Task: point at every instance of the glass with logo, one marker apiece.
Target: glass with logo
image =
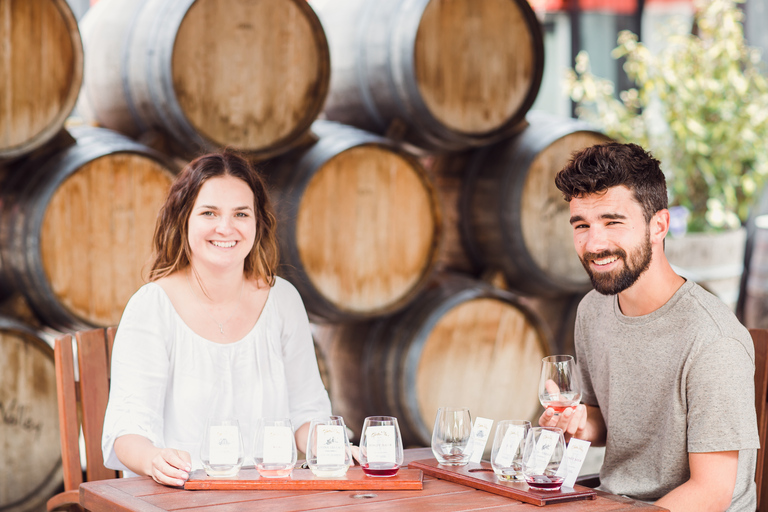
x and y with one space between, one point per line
221 450
328 450
274 447
381 447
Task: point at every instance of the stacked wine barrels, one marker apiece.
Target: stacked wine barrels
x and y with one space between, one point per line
414 189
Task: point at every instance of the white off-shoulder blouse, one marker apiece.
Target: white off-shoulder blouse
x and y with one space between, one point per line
167 380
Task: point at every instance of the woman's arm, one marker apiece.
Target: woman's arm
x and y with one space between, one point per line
165 465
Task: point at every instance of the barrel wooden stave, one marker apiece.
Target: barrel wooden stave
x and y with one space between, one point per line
77 227
30 468
461 343
514 217
395 71
182 69
359 223
41 70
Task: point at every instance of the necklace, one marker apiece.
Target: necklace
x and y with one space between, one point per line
222 324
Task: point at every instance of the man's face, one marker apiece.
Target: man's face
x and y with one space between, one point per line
611 238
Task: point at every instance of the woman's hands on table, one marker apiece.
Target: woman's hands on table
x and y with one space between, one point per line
166 466
171 467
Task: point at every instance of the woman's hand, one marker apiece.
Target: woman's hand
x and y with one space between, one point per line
171 467
166 466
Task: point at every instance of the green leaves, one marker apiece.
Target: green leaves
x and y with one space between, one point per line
701 107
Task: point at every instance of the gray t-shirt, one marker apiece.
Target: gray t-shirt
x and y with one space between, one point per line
678 380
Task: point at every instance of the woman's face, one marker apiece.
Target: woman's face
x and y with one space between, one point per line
222 225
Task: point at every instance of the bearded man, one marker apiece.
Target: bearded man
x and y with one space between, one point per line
667 371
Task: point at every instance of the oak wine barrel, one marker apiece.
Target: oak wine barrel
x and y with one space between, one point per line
443 74
41 70
460 343
248 75
514 219
77 224
358 223
30 466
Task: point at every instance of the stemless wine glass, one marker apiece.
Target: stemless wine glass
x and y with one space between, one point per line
559 383
221 451
543 456
381 447
274 447
328 451
452 436
507 451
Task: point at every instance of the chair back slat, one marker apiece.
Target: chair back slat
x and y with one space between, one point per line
760 340
69 426
111 331
93 360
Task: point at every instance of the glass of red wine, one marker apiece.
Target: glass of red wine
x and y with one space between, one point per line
381 447
559 383
544 461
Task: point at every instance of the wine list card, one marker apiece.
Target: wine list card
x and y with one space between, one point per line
330 445
224 447
481 431
380 444
278 445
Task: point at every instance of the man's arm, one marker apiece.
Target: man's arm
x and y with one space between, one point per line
713 479
582 422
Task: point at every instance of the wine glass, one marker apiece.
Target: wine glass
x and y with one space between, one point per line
274 448
381 447
452 436
328 451
221 450
544 460
507 451
559 383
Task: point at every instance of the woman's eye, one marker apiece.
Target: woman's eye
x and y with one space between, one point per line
241 214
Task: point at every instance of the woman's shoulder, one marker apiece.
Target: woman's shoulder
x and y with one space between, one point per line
284 290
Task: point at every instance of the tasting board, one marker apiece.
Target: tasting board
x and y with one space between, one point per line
303 479
481 476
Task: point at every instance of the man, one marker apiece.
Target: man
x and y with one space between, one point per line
667 371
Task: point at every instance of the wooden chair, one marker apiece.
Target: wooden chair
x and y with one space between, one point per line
82 402
760 339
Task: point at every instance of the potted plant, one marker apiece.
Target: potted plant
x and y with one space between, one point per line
700 105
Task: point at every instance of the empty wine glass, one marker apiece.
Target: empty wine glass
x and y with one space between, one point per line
543 456
221 450
381 447
274 448
328 451
559 383
452 436
507 451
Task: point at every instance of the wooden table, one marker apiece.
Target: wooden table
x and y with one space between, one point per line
144 495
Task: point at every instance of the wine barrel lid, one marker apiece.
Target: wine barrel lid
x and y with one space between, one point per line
477 63
41 69
250 74
30 467
359 224
443 75
515 219
459 343
78 226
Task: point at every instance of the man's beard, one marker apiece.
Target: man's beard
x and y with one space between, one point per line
611 283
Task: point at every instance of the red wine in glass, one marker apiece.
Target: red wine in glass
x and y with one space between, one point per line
544 482
379 471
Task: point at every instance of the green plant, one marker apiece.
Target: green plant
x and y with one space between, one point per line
700 105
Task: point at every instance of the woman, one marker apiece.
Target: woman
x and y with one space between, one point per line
214 333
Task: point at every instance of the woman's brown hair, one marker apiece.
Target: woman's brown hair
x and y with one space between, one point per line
171 241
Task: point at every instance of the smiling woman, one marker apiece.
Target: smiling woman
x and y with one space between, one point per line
214 334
